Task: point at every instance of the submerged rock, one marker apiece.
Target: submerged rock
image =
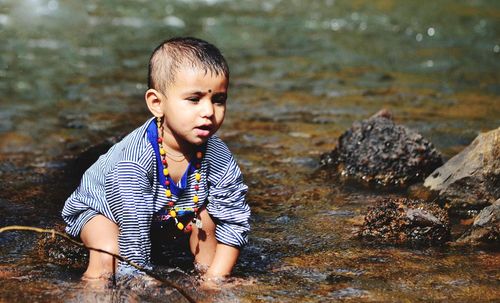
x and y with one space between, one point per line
486 227
406 221
381 154
471 179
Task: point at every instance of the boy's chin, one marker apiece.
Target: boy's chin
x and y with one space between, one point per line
200 140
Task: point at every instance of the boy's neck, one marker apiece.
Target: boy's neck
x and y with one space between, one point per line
178 146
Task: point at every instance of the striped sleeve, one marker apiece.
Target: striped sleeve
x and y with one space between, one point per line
129 196
227 204
86 201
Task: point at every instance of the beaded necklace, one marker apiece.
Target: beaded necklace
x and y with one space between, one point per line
171 208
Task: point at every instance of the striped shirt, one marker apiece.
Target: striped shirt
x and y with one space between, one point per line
125 186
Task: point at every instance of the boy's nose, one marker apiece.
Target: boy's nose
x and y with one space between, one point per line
207 108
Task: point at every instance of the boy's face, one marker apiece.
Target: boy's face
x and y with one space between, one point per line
194 106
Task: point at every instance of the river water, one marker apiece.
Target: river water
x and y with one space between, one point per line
73 74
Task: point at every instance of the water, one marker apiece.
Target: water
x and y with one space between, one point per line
72 74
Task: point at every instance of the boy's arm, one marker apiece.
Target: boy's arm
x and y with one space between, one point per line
224 260
130 199
229 210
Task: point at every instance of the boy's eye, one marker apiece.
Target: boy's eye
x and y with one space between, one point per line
219 98
193 99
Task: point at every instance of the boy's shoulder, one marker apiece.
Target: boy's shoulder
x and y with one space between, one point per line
222 165
134 146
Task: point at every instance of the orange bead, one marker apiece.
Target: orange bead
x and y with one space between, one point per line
199 155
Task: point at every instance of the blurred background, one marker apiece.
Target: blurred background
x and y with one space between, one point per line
73 74
74 71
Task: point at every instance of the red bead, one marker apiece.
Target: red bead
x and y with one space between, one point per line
196 187
188 228
167 182
195 209
160 140
198 165
171 204
164 161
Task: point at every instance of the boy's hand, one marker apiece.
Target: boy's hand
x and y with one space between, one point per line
224 260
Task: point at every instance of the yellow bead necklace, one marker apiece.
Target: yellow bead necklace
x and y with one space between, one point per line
172 210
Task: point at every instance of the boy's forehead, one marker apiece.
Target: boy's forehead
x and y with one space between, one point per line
193 69
187 74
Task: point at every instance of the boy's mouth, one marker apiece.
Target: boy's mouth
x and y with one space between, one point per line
203 130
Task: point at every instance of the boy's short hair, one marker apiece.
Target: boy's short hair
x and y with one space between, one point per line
171 54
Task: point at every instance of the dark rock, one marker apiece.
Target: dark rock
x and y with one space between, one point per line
74 120
381 154
486 227
405 221
76 166
471 179
386 77
91 153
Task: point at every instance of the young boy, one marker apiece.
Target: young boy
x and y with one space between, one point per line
171 176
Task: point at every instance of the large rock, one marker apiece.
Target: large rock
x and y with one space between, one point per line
381 154
471 179
486 227
405 221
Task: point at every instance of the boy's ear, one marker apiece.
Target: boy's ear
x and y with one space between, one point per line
153 101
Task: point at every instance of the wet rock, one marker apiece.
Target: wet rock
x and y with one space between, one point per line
378 153
74 120
386 77
349 293
335 278
406 221
486 227
471 179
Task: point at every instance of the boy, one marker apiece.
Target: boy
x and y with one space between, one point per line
170 176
